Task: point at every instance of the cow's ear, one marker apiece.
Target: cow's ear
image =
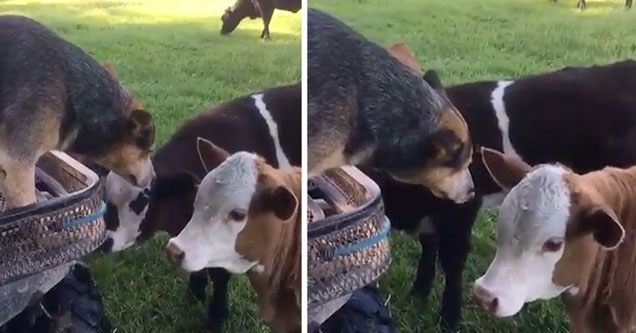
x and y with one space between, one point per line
506 171
278 200
110 70
602 223
210 154
403 54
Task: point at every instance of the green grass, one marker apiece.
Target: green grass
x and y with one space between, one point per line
468 40
171 55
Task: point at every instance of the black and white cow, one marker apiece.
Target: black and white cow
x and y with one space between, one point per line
583 117
253 9
266 123
581 4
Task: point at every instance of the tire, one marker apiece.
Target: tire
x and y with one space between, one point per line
73 306
363 313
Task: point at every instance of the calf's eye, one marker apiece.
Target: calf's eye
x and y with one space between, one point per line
553 245
237 215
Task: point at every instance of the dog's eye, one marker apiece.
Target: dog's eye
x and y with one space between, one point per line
237 215
553 245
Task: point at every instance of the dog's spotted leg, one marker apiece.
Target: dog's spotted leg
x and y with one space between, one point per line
18 183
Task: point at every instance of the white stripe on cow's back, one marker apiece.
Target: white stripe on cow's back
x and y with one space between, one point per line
498 104
283 162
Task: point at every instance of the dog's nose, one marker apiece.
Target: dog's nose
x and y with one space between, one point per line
484 298
107 246
146 178
174 253
470 194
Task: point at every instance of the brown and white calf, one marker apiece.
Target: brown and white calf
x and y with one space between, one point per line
563 233
247 219
266 123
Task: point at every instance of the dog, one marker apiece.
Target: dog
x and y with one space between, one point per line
53 96
369 106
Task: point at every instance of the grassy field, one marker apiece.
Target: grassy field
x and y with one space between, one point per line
467 40
171 55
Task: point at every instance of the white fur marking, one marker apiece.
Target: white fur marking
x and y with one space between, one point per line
573 291
283 162
496 98
70 138
121 193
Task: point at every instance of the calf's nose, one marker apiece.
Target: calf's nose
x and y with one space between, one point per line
484 298
174 254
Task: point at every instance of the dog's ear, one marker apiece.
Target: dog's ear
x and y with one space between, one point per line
278 200
403 54
110 70
141 128
210 154
506 171
432 79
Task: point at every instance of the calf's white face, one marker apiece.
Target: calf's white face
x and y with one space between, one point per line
220 214
531 230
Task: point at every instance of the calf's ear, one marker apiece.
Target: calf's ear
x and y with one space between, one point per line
210 154
604 226
403 54
278 200
506 171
